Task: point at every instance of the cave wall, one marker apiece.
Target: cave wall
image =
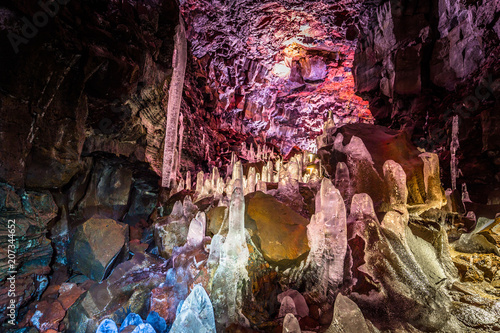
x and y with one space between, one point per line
419 63
71 67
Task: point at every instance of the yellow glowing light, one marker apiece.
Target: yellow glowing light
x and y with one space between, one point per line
281 70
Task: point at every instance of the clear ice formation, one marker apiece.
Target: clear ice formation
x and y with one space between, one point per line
231 276
327 236
107 326
362 207
196 314
343 181
299 301
291 324
434 195
179 62
196 232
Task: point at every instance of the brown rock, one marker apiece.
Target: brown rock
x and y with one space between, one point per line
97 246
215 217
279 232
48 315
68 294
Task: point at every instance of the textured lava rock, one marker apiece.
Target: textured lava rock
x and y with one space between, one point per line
30 212
421 64
278 67
97 246
95 57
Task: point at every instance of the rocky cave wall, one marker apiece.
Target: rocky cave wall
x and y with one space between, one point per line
419 63
278 68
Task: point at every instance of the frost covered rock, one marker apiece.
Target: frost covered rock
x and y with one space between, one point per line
196 315
279 231
171 232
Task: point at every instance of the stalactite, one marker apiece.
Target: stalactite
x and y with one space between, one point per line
453 149
179 150
174 103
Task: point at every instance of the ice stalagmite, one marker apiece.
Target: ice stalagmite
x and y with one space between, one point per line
343 181
196 231
264 173
270 172
291 324
362 207
395 181
180 186
250 186
434 193
231 278
215 177
200 179
261 186
188 180
397 217
327 237
219 188
196 314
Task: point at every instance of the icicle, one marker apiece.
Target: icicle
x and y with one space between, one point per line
180 187
455 144
188 180
264 173
465 193
200 180
251 182
174 102
181 137
343 181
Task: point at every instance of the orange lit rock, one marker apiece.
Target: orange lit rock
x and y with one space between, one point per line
279 232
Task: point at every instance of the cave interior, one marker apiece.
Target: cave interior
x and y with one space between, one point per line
203 166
